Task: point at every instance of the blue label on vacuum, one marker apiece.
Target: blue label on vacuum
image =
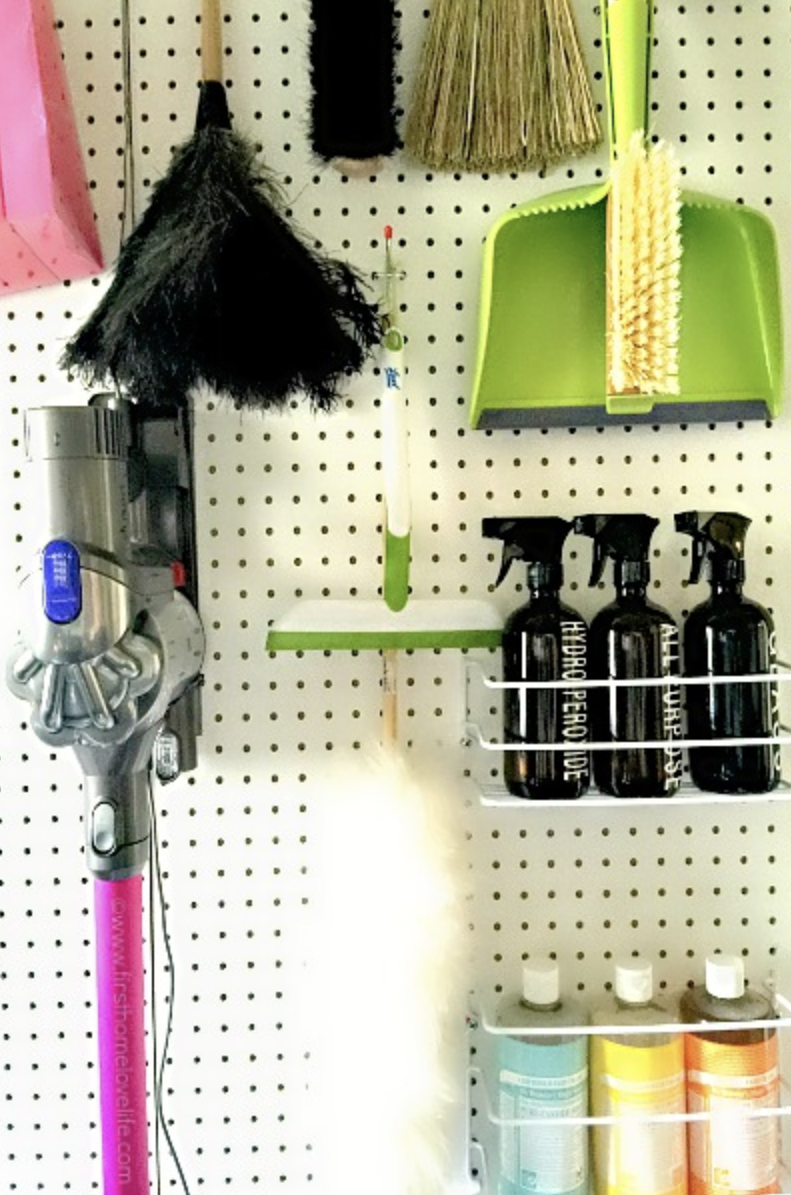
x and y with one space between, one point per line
62 587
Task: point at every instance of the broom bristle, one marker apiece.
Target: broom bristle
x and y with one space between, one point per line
438 119
572 123
214 288
502 86
644 258
497 134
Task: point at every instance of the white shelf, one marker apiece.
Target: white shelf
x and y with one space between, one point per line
487 1031
484 1019
477 1074
498 797
477 673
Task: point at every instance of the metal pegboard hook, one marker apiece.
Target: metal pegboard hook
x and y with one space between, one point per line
391 275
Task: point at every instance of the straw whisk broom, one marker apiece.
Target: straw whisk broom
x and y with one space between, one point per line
502 85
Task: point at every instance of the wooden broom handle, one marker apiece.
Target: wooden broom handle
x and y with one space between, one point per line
211 42
389 696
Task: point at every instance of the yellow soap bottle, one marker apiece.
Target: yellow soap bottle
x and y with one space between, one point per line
637 1079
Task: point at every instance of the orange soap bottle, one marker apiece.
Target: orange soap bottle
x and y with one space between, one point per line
731 1071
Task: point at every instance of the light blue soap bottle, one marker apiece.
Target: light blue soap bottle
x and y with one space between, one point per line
542 1077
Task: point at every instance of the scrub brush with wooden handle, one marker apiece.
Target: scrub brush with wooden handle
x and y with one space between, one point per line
643 223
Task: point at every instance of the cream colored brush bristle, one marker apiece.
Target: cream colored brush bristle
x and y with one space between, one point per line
644 257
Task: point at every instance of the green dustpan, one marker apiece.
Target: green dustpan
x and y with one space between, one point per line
542 316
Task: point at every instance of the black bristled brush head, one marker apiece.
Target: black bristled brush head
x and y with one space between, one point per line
215 288
353 46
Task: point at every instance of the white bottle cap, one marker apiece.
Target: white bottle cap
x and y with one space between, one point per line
541 981
634 981
725 976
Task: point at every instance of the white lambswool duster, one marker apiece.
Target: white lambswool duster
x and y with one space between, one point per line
389 989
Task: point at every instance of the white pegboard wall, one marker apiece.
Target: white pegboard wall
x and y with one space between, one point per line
289 507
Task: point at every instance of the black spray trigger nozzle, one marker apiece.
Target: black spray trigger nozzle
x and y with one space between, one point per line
698 556
692 523
536 540
598 562
590 525
719 535
511 552
496 528
624 537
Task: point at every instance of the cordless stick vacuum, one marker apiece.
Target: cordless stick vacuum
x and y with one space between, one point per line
109 659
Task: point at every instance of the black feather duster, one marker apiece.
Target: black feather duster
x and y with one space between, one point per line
214 287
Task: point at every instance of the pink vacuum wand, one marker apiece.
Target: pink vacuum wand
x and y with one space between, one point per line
122 1053
120 988
108 660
